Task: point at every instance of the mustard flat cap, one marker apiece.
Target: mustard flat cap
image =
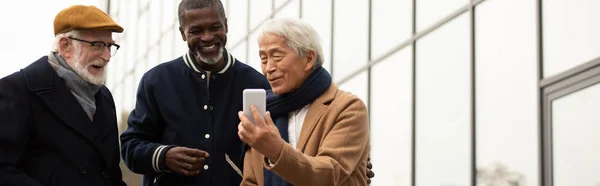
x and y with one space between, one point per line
80 17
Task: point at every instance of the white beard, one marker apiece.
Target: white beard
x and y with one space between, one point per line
211 60
84 73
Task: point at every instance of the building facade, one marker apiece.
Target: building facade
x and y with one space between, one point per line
460 92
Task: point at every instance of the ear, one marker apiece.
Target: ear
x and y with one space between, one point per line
182 34
309 60
65 48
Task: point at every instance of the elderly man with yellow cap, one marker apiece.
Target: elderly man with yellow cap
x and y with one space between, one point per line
57 120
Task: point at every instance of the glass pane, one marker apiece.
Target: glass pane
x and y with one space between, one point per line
253 57
432 11
169 14
575 133
239 53
130 89
237 22
176 40
260 10
142 36
443 143
154 26
322 23
131 38
153 58
166 47
570 34
392 24
357 86
278 3
391 118
507 147
292 9
350 38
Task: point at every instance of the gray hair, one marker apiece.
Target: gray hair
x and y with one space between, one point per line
197 4
299 35
56 42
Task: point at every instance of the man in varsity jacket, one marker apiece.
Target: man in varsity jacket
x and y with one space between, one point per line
183 130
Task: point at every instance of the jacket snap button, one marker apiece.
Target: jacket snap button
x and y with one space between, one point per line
82 170
104 174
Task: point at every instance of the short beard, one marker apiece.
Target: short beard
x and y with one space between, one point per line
211 60
84 73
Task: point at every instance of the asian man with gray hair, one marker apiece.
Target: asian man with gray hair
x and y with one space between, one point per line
313 133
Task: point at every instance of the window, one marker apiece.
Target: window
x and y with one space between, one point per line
350 38
357 85
167 45
173 38
155 23
432 11
391 120
278 3
290 10
322 23
260 10
570 34
443 119
571 128
141 35
392 24
575 131
239 53
237 23
506 93
253 57
169 14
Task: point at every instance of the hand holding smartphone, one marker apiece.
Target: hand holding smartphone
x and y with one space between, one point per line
256 97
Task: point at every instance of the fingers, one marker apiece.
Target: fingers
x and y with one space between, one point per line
242 132
257 117
196 153
188 169
194 161
189 173
244 119
370 174
245 124
185 161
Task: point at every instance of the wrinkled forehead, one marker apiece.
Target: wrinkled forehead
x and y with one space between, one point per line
269 42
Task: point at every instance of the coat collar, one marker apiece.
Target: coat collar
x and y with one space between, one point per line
315 112
190 62
42 80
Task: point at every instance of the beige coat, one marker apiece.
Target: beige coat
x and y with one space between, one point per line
332 148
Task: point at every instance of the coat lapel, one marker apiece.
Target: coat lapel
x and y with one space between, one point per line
315 112
43 80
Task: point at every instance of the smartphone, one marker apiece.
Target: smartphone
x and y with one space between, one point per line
256 97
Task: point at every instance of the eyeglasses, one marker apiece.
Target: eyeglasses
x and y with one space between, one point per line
99 46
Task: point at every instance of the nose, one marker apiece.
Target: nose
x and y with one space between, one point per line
105 54
207 36
270 66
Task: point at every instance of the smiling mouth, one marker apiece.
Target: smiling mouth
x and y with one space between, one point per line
274 79
209 48
97 66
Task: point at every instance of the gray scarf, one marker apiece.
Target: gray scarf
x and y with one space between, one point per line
83 91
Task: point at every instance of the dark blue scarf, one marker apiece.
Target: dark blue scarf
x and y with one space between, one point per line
279 107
